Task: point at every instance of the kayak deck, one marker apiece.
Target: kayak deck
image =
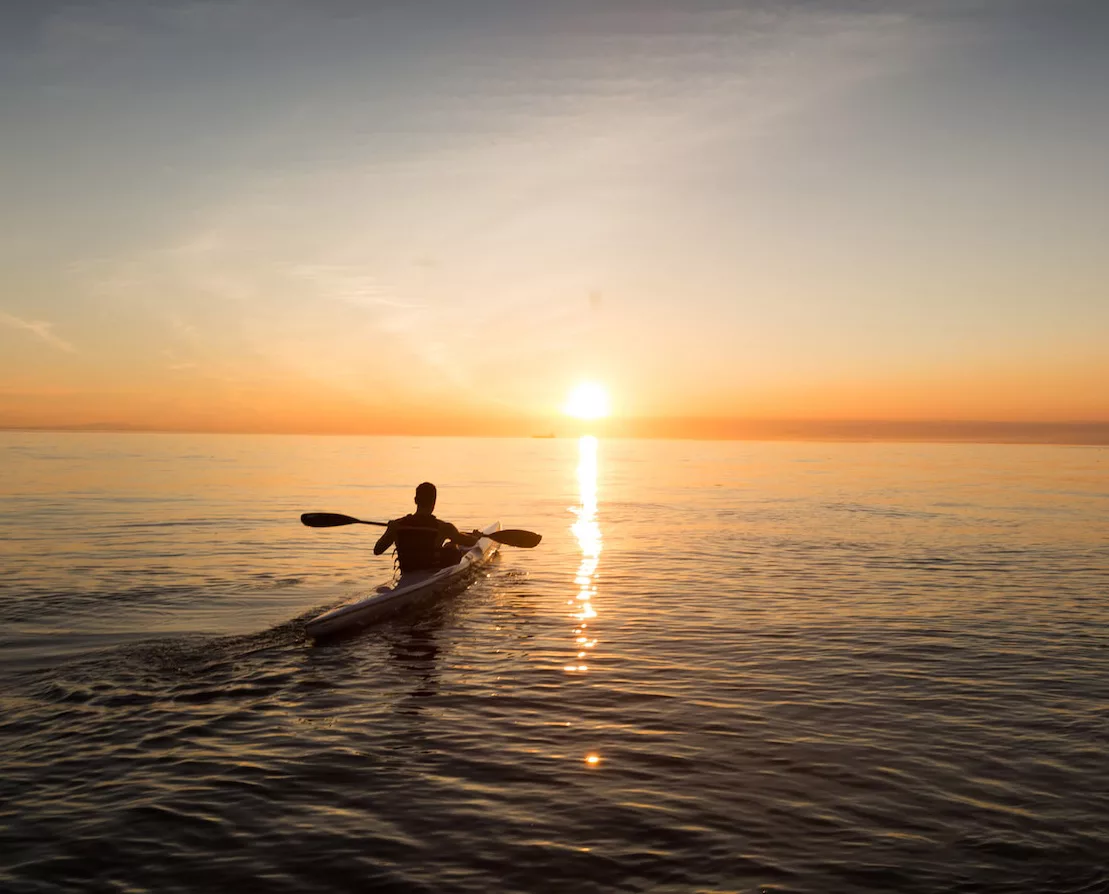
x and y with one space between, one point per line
410 589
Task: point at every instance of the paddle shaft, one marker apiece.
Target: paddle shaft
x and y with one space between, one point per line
521 539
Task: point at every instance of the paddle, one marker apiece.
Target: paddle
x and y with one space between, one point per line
522 539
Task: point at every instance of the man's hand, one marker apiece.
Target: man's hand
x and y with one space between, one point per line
471 538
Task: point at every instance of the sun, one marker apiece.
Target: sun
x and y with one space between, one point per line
587 401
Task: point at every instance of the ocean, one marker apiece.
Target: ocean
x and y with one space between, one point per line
729 666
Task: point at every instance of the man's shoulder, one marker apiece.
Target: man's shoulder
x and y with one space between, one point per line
418 521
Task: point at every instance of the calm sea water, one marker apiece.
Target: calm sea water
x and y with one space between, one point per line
728 667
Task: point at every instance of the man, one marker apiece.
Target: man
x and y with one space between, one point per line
420 537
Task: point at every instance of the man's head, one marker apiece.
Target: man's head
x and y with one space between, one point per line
425 496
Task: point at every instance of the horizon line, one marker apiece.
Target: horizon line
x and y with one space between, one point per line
1070 433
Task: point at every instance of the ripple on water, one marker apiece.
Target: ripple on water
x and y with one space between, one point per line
847 682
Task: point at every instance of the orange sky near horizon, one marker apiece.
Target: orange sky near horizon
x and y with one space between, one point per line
515 401
292 406
427 222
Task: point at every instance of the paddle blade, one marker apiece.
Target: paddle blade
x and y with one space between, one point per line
327 519
522 539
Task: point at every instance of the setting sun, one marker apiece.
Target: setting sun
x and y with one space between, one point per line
587 401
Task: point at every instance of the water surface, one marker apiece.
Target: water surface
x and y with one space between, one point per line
728 667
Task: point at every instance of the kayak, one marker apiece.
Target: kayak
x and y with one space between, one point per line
410 589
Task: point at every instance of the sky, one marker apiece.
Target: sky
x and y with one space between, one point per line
439 217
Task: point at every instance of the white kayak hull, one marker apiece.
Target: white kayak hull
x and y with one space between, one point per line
409 590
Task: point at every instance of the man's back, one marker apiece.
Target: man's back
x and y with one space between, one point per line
418 538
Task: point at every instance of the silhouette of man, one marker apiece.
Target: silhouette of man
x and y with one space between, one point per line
423 541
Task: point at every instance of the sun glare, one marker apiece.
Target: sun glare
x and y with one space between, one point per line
587 401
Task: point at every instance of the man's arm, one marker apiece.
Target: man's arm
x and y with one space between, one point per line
385 540
455 536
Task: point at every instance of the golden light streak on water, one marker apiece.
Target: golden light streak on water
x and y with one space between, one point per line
587 530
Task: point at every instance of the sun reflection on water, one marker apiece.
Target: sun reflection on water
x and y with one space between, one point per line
588 533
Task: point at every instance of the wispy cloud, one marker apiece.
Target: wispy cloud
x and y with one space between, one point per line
353 285
41 328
